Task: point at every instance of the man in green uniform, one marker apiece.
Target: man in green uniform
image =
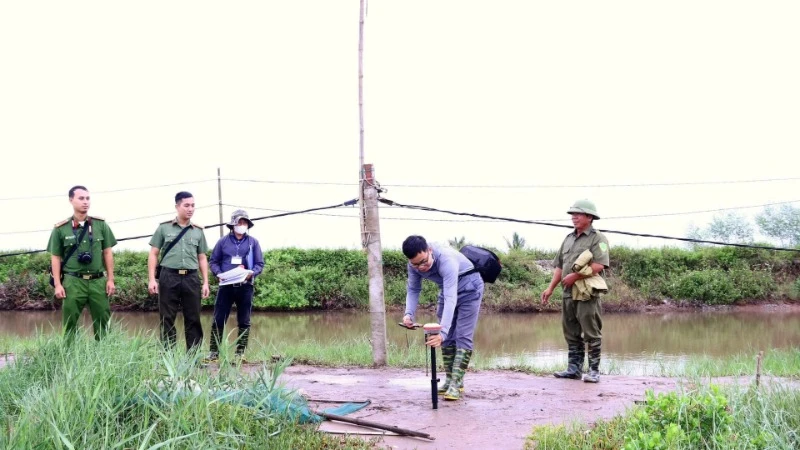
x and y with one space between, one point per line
178 286
82 244
581 321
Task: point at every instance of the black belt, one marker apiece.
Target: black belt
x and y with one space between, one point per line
86 276
245 283
180 271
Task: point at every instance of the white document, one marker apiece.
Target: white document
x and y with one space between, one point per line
233 276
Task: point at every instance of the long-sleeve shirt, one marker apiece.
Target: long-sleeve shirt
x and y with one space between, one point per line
448 263
247 248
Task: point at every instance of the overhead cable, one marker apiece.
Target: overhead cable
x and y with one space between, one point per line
549 224
139 188
288 213
523 186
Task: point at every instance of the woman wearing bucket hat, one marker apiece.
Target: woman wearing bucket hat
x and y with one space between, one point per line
237 249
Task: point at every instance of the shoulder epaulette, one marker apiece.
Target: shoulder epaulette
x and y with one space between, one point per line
166 221
97 218
63 222
197 225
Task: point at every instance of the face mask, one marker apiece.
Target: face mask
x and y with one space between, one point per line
240 229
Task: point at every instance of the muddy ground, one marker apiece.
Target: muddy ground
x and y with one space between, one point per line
498 409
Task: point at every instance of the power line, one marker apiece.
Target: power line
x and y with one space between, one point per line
324 183
627 233
356 217
428 186
352 202
702 211
131 219
288 213
562 186
522 186
158 215
139 188
641 216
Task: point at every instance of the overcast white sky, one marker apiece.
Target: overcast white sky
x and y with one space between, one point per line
125 94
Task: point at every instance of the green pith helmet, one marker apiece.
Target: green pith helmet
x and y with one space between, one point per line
584 206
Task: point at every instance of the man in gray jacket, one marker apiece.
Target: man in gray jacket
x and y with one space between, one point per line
457 309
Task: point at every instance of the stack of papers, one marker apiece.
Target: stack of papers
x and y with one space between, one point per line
233 276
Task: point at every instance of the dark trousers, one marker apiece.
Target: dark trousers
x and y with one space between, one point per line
582 322
227 296
180 293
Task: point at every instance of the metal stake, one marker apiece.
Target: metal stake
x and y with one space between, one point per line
434 380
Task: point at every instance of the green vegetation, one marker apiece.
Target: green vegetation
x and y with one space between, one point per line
358 352
103 395
295 279
91 394
412 354
776 362
779 223
697 417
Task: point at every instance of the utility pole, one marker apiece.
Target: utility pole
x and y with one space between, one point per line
361 89
370 225
219 196
371 239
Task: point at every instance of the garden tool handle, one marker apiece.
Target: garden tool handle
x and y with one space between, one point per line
434 380
433 329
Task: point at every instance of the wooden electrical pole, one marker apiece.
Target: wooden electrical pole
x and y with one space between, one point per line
361 89
370 225
219 197
371 239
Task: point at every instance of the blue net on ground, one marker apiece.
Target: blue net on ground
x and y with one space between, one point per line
263 401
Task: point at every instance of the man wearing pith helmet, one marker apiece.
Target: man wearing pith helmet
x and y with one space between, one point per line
581 319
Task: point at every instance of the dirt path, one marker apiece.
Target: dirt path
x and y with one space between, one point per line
498 409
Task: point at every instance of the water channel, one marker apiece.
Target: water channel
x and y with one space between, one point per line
632 340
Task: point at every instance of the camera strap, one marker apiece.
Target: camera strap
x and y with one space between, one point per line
88 224
77 243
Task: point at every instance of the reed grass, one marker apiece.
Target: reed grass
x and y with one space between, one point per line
127 392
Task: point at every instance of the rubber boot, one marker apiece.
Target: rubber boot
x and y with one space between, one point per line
457 377
448 354
594 363
575 365
464 365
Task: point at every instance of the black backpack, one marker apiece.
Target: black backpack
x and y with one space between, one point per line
485 261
